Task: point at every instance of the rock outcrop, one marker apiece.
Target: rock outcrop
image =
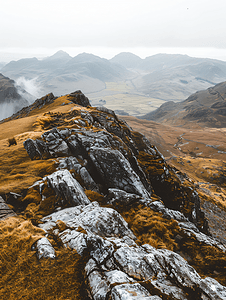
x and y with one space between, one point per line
5 210
106 174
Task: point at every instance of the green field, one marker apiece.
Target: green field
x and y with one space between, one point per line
122 96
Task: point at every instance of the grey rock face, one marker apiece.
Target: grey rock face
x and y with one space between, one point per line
212 288
67 187
55 143
94 146
131 291
103 221
119 268
32 149
119 197
5 211
71 163
116 171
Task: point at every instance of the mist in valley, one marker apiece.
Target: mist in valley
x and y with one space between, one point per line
23 92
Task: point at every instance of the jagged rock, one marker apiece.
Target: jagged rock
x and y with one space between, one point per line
191 230
174 266
64 215
71 163
5 211
45 249
87 117
212 289
116 171
65 187
106 110
98 285
49 98
188 227
131 291
167 213
56 144
79 98
32 149
131 261
103 221
117 277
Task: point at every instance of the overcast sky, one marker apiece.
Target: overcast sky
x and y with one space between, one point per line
106 27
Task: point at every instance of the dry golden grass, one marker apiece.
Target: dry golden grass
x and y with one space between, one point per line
207 260
151 228
17 171
24 277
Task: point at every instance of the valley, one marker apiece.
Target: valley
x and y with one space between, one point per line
123 98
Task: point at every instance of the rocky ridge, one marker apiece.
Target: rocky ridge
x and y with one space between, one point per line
104 173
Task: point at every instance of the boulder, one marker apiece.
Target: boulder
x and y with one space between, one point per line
32 149
55 142
79 98
102 221
45 249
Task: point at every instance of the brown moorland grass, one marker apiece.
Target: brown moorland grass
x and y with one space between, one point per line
23 276
151 228
17 170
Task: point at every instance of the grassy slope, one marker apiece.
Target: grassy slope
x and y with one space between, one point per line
62 278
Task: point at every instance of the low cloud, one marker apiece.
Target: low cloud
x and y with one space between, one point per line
28 88
7 109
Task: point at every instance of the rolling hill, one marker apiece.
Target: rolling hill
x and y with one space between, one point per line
172 77
207 107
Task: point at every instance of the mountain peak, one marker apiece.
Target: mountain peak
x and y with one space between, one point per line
127 59
59 55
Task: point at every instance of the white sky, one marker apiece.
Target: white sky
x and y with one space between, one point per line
106 27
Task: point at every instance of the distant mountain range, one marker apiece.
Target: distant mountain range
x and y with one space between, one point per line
61 73
172 76
168 77
207 107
